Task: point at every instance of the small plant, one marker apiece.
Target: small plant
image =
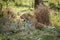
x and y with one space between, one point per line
48 37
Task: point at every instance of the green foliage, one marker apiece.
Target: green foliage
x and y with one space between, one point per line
48 37
1 14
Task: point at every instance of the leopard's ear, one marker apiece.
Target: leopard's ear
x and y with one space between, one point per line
29 15
21 17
